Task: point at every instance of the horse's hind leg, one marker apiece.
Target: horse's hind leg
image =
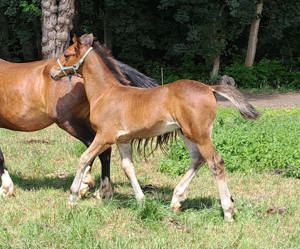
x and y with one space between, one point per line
106 188
216 164
179 192
127 165
7 185
82 130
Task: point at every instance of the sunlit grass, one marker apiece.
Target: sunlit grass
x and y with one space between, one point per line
42 165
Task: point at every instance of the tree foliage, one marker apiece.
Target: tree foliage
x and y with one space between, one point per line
20 29
182 36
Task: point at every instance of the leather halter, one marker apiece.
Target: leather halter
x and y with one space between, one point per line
75 66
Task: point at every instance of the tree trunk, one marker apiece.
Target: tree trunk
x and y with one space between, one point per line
57 16
252 42
216 67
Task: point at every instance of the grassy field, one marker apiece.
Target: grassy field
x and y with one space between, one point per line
42 165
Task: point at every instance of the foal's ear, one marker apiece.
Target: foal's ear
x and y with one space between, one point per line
87 39
75 38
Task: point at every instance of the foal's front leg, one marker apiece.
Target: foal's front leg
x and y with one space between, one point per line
127 165
96 147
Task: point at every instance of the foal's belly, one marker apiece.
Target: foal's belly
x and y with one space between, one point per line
147 132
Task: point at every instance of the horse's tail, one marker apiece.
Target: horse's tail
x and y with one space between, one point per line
137 78
237 99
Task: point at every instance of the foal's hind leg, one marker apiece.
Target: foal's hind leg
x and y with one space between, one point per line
179 192
7 185
127 165
216 164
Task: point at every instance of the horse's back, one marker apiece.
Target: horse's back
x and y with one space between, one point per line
22 100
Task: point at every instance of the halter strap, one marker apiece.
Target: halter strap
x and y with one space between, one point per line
75 66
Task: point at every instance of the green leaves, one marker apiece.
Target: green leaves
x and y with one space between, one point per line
32 8
266 73
270 143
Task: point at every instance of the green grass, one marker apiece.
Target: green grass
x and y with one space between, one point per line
268 144
42 165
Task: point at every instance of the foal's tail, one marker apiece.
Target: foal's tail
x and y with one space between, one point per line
237 99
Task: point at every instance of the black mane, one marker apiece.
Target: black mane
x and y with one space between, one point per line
110 62
124 73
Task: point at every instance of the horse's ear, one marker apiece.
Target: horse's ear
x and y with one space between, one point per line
87 39
75 38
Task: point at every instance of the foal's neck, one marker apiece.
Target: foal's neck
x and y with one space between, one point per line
97 77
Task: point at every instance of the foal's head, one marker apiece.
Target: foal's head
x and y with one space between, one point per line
69 63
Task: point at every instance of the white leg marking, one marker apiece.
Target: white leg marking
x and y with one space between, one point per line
179 191
7 187
225 197
127 165
224 193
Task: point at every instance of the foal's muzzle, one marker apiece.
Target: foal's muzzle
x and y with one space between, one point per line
55 75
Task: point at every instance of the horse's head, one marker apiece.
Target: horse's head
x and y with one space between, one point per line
69 63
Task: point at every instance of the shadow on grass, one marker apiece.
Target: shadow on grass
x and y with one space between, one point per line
162 195
42 182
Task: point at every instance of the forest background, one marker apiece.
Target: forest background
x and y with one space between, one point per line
256 42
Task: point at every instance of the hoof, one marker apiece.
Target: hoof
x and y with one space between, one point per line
105 190
97 195
228 219
228 215
141 200
7 191
72 201
84 188
7 188
88 182
176 209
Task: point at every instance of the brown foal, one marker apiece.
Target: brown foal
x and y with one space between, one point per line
120 114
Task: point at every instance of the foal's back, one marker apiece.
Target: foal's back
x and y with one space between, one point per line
181 94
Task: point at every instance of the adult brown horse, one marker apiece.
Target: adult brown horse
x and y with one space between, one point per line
30 100
120 114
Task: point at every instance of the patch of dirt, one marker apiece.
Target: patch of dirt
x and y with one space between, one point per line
37 141
276 100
